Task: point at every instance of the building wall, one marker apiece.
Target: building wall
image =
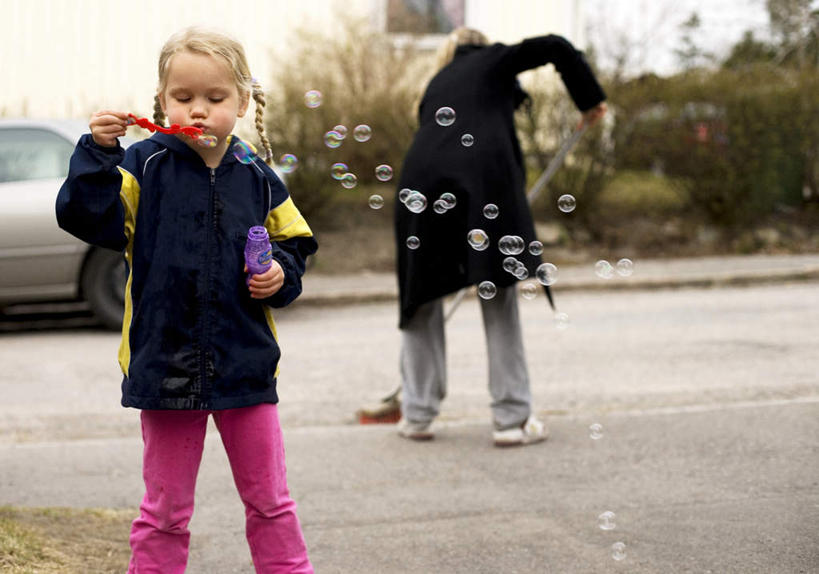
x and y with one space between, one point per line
66 58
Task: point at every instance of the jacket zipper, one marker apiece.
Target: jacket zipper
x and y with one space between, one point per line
203 356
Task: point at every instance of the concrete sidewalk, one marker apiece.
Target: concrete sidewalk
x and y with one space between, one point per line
322 289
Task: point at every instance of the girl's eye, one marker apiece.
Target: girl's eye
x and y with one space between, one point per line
216 100
182 99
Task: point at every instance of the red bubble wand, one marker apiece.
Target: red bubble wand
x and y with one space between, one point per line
196 134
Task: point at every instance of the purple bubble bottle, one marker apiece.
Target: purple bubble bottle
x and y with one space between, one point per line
258 251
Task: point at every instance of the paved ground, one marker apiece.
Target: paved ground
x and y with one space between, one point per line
709 401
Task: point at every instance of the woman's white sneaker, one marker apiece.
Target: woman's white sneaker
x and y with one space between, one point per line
530 432
415 431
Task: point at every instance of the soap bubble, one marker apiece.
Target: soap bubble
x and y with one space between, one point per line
439 206
535 247
511 245
521 272
337 170
332 139
566 203
603 269
416 202
478 239
288 163
528 290
510 264
445 116
383 172
207 140
518 245
606 520
413 242
242 152
561 321
467 140
595 431
404 194
487 290
376 201
490 211
625 267
546 274
362 133
618 551
312 99
349 181
449 199
341 131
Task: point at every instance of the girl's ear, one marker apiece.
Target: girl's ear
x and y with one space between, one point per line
161 97
245 100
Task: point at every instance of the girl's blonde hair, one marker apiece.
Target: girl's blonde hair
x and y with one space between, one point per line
458 37
213 43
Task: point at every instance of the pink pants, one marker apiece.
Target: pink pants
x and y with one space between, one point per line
174 441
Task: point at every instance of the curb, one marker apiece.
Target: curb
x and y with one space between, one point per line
765 277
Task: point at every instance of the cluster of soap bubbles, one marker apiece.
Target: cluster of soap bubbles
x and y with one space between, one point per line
511 244
605 270
444 203
413 199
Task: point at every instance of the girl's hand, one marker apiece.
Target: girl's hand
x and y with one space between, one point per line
591 116
266 284
106 126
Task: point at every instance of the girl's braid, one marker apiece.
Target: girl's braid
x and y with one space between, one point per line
258 97
159 115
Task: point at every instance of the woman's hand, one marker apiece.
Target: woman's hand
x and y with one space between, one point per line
266 284
591 116
106 126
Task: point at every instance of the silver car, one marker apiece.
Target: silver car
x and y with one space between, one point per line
39 261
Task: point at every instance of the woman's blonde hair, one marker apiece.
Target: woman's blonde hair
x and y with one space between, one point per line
213 43
458 37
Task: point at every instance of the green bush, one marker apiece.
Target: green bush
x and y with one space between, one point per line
364 78
738 141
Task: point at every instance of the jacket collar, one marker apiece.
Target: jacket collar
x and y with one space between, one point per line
178 146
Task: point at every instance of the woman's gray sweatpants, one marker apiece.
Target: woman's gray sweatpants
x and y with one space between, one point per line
423 361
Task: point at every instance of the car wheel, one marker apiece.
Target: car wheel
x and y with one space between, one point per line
103 286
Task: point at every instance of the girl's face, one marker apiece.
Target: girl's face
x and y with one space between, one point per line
201 91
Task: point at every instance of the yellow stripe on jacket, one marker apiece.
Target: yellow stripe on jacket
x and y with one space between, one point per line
283 222
129 196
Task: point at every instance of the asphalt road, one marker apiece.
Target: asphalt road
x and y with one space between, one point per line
708 398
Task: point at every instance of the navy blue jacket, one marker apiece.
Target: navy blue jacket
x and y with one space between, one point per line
192 337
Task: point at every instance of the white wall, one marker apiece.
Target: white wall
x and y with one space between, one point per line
65 58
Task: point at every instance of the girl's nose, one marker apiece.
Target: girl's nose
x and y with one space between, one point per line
199 110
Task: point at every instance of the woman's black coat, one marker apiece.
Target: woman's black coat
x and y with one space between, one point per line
480 85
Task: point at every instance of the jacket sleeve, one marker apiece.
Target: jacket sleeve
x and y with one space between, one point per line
570 63
88 203
292 242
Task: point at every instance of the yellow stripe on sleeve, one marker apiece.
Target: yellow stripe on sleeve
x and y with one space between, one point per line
129 196
285 221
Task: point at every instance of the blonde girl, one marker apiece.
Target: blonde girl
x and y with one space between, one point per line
197 339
